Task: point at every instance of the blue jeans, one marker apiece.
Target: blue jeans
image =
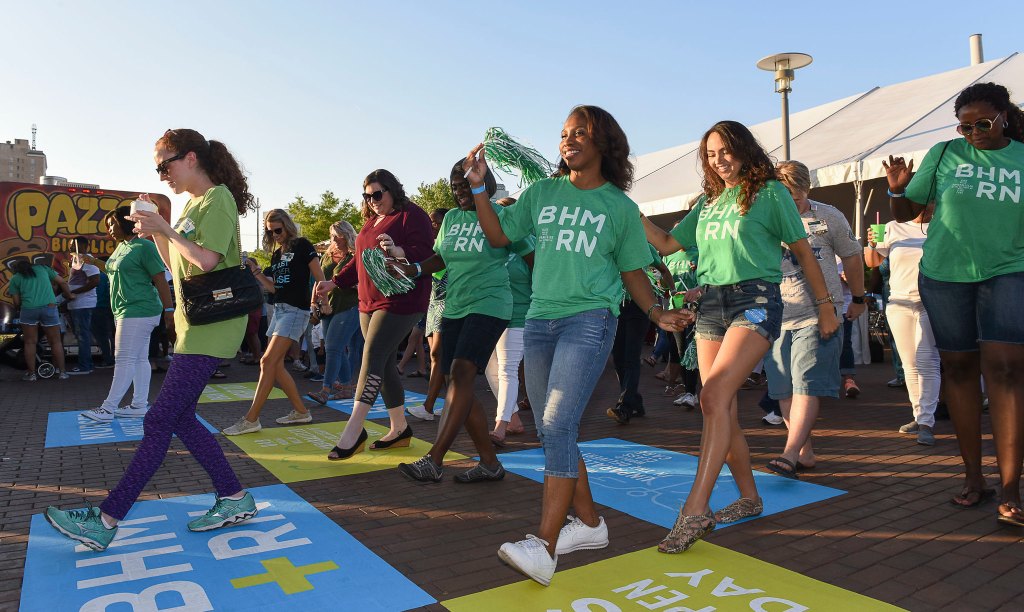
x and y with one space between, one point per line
964 314
81 318
801 363
563 360
338 331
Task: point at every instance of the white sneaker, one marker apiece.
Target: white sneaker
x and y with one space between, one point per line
298 366
242 427
129 412
295 417
772 419
577 535
100 415
420 413
686 399
530 557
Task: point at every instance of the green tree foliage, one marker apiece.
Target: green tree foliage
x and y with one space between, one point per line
315 219
432 196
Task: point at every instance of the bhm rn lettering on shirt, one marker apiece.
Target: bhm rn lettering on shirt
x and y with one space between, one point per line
466 237
718 230
581 240
988 186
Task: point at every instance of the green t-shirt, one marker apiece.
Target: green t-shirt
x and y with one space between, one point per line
35 291
736 248
130 269
340 299
520 279
976 231
477 277
585 240
211 221
683 266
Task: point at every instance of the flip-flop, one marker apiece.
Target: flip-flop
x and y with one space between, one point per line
800 467
983 496
218 374
418 374
774 466
499 442
1015 518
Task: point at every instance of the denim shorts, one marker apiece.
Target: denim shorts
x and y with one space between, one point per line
44 315
288 321
964 314
753 304
563 360
473 338
801 363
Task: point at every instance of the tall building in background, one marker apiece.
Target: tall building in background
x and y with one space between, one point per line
20 162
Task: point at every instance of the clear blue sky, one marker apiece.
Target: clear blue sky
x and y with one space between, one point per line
311 96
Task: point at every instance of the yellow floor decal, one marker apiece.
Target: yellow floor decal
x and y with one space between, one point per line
299 453
234 392
707 578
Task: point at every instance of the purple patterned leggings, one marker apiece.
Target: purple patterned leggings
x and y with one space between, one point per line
174 413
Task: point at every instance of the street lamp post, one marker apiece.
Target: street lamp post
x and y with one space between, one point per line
784 65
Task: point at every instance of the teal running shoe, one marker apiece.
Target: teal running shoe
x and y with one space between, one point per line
84 525
225 512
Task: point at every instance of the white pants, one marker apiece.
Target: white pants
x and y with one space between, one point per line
912 333
503 372
131 361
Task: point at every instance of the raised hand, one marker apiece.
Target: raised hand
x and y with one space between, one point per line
898 173
475 164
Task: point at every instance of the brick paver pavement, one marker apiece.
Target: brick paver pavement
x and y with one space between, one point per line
894 536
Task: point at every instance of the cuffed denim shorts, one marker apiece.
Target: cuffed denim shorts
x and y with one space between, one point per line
964 314
44 315
801 363
288 321
754 304
563 360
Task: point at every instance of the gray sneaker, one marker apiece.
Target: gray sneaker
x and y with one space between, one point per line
910 427
925 436
480 473
294 417
423 469
242 427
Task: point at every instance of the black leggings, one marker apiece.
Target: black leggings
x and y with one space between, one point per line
383 331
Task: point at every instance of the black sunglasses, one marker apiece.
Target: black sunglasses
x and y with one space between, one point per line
275 231
376 195
161 168
982 125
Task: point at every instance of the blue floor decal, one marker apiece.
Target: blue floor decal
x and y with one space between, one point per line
290 557
72 429
651 483
378 411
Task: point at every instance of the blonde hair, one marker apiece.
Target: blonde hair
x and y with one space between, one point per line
794 175
345 229
291 231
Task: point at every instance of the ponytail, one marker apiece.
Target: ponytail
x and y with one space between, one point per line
215 159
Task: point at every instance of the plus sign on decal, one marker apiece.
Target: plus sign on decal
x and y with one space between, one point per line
291 579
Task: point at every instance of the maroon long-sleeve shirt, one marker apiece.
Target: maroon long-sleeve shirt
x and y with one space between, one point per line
410 229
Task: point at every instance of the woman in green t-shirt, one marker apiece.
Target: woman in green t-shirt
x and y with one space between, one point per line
32 290
737 227
972 278
205 239
589 244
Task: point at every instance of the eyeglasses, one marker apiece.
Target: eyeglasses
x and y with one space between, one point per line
376 195
276 231
161 168
982 125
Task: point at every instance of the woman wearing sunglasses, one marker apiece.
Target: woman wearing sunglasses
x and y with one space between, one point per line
589 244
204 239
402 229
293 262
971 279
737 226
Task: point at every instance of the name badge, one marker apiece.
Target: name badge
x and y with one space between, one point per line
817 227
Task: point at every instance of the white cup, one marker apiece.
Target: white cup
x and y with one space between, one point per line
143 205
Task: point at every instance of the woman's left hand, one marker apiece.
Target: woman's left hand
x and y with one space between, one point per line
149 224
386 242
475 165
674 320
827 322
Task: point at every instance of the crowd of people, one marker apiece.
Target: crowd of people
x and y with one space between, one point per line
751 279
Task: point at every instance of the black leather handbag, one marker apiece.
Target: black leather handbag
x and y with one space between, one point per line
220 295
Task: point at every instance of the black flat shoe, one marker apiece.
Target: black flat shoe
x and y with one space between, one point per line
345 453
403 439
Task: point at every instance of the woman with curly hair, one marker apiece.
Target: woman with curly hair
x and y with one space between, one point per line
293 262
589 244
402 229
737 226
205 239
971 278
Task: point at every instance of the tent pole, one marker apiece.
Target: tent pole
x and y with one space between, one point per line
858 209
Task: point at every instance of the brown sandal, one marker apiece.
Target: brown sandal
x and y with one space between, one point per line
742 508
686 532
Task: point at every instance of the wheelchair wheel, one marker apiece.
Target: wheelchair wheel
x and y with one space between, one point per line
45 370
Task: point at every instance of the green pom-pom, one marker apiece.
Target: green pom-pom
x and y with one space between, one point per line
376 268
689 360
508 155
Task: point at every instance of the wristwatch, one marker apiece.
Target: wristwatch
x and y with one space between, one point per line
857 299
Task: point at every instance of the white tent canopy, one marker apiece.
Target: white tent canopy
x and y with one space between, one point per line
841 142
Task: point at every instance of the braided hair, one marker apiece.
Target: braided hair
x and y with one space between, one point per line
999 97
